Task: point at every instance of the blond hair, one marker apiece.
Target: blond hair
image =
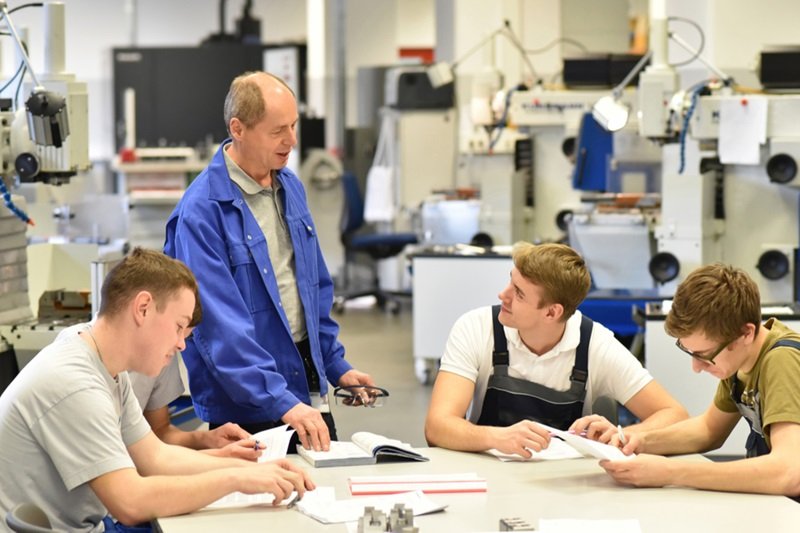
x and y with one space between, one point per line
558 270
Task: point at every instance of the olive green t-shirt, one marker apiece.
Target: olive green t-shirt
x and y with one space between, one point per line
775 376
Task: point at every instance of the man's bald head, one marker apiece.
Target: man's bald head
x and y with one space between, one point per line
249 95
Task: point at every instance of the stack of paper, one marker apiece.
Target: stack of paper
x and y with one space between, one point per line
321 505
429 484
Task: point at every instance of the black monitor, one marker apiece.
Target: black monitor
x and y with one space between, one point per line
180 92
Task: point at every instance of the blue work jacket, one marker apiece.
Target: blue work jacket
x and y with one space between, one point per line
242 361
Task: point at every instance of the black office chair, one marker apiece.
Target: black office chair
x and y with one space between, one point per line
358 238
28 518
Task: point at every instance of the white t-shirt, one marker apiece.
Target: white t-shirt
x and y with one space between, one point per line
64 421
613 370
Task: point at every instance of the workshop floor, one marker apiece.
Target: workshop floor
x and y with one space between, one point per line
381 344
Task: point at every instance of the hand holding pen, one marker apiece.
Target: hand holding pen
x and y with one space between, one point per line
630 443
247 449
621 435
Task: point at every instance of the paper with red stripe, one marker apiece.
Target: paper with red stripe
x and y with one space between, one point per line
429 484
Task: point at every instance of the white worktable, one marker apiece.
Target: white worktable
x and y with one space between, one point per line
576 488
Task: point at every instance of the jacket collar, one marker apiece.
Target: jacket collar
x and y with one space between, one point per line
221 187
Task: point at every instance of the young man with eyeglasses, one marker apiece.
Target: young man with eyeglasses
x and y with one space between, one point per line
716 319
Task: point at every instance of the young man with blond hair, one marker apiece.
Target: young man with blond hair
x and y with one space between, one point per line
716 319
535 358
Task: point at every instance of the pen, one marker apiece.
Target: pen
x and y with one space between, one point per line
256 445
293 502
621 434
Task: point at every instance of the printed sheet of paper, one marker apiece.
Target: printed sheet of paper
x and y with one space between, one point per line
276 441
321 505
588 446
239 499
742 129
556 451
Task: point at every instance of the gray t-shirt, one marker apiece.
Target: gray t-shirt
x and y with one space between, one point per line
268 212
152 393
63 422
155 393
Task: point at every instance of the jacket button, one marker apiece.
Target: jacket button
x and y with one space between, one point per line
265 271
249 237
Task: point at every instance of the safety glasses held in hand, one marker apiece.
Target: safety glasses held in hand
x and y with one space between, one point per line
360 395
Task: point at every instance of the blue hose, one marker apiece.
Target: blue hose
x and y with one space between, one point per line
22 215
685 129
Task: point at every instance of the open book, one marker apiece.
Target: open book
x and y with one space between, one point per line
364 449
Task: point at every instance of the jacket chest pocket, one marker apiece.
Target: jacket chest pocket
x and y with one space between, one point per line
247 277
304 234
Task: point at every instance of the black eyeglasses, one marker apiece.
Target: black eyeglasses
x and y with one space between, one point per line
704 358
360 395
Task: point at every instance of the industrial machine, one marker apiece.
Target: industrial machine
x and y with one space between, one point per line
686 175
728 192
44 139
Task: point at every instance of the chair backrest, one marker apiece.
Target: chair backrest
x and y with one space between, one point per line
28 518
353 208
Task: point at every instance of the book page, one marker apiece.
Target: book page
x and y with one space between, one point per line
369 441
338 450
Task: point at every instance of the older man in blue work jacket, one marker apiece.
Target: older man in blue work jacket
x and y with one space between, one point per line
267 347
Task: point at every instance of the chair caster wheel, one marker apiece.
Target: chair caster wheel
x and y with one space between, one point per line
425 370
338 306
393 306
